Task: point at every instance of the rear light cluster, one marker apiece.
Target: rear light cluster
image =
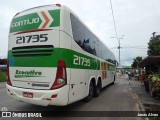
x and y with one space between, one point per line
61 76
7 76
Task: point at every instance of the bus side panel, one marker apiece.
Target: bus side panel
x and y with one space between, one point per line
111 72
75 77
65 42
107 73
79 76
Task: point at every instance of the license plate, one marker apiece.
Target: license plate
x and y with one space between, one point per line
28 94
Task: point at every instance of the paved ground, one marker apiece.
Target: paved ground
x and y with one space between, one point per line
147 101
117 97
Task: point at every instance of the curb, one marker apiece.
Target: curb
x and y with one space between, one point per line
139 102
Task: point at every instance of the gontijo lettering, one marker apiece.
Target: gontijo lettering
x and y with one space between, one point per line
25 22
37 20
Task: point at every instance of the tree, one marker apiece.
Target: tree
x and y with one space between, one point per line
136 61
154 45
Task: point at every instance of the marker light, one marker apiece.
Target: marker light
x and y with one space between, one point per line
59 5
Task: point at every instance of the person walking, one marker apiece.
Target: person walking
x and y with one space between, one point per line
122 73
143 77
129 75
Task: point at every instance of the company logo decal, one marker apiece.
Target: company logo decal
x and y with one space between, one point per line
38 20
25 22
31 73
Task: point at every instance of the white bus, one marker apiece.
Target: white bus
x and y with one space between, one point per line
54 59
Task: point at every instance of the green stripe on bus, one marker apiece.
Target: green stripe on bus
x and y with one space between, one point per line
56 17
52 60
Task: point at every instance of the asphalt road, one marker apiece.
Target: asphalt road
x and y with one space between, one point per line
117 97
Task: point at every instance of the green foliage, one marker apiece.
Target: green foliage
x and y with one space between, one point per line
154 46
136 61
155 78
2 76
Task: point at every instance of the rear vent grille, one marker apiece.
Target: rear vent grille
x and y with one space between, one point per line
33 51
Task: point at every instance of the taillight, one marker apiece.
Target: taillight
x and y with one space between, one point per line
7 76
61 76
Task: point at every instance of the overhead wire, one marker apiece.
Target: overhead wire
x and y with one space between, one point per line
115 28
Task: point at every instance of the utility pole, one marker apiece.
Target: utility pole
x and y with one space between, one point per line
119 47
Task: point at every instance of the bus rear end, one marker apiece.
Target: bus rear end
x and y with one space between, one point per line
35 74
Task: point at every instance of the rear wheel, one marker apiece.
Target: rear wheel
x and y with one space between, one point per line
98 88
90 95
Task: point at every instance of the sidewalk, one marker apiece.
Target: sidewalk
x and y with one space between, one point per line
147 101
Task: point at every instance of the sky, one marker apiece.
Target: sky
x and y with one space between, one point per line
135 19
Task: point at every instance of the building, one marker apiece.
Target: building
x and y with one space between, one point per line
151 64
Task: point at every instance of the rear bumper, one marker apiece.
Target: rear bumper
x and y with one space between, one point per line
40 97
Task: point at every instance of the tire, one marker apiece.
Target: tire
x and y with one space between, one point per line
113 81
97 89
90 95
